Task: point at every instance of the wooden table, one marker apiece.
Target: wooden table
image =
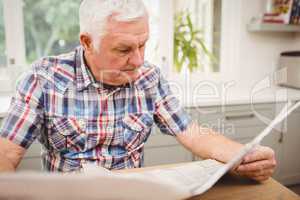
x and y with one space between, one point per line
232 187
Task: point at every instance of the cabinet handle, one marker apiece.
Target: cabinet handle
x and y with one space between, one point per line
280 140
240 116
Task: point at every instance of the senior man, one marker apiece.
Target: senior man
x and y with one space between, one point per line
98 103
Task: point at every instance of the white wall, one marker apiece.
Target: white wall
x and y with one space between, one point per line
297 42
250 56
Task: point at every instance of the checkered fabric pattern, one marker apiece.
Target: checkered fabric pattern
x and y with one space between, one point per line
79 120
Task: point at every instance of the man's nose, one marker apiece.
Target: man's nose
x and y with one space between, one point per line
136 59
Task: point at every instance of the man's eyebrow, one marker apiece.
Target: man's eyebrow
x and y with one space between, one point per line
122 45
125 43
144 41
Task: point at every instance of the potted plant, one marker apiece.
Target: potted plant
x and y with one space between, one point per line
188 43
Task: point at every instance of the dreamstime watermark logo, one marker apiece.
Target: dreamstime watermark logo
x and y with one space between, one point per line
211 104
218 106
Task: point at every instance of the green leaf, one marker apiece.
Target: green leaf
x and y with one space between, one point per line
190 24
189 46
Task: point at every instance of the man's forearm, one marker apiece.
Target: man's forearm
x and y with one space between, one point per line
207 143
10 155
5 164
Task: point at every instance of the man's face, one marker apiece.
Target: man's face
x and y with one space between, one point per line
121 52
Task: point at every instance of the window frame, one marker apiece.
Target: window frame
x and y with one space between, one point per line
14 32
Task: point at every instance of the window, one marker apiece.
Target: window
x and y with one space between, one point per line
2 37
52 27
197 34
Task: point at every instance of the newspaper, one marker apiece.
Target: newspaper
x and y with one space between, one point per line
173 183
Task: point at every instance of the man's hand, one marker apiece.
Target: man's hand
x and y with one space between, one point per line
258 165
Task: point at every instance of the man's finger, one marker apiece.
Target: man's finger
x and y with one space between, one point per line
266 172
261 153
256 166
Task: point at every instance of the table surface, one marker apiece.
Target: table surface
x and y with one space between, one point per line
232 187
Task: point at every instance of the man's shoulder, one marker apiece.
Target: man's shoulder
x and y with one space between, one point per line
54 64
56 70
150 76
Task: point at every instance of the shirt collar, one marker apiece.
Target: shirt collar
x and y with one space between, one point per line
85 78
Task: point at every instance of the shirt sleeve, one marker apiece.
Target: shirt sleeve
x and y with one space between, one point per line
25 116
169 116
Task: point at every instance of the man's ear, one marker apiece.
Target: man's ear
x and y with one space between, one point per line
86 42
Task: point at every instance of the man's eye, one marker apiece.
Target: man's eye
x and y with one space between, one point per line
124 51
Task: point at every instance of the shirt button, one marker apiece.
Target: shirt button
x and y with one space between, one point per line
66 133
81 123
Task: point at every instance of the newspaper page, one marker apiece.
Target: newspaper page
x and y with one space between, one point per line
38 186
174 183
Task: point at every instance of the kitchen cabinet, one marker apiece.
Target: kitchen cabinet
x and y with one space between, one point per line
32 159
164 149
30 164
290 169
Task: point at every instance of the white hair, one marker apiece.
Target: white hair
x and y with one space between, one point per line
93 15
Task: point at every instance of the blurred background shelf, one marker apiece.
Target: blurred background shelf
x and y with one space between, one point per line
268 27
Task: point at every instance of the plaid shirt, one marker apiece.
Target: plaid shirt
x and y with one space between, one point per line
78 120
